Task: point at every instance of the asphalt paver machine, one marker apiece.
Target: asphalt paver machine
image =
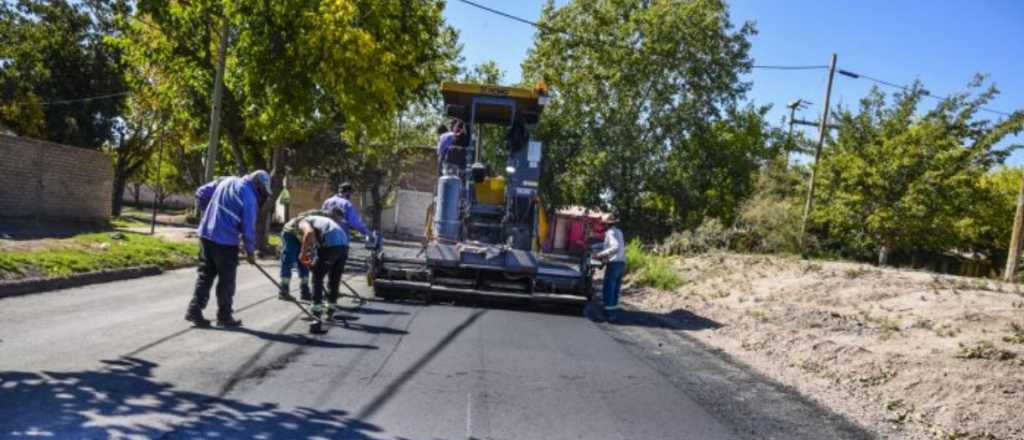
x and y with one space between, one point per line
486 229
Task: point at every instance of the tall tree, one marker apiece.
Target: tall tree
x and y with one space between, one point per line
897 180
60 78
294 69
644 117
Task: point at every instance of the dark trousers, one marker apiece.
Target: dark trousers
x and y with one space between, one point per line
219 262
330 263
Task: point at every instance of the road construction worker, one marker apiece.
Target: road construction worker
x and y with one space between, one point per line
340 208
324 238
291 239
203 195
614 256
450 150
231 204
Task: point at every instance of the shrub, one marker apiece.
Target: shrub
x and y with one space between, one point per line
771 224
711 234
651 270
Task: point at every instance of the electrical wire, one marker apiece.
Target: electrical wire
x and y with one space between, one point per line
906 88
777 67
756 66
91 98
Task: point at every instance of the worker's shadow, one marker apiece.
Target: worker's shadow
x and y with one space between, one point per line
122 399
678 319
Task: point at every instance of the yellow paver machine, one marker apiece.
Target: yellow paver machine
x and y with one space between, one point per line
484 236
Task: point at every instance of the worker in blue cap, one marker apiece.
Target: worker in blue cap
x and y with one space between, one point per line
231 206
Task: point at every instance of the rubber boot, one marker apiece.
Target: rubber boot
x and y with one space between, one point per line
316 327
196 318
304 293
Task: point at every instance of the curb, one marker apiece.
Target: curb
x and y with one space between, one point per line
36 285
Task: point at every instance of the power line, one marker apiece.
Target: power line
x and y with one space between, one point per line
563 32
907 88
91 98
791 68
756 66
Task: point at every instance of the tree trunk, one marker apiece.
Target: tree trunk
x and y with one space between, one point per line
266 213
117 197
136 192
377 210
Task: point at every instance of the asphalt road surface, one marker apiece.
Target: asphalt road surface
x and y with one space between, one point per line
117 360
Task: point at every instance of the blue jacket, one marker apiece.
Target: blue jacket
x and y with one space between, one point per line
230 211
346 214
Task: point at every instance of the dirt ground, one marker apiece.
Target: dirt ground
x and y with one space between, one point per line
917 354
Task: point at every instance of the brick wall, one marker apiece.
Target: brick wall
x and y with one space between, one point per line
421 172
43 180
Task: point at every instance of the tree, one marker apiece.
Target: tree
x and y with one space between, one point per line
60 79
896 180
294 69
644 117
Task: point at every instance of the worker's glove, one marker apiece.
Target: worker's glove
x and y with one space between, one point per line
250 257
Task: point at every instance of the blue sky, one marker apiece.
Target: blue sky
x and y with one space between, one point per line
942 43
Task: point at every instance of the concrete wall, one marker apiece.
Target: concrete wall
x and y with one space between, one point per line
147 193
43 180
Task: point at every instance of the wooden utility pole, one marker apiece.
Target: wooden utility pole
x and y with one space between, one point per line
218 94
822 131
1013 255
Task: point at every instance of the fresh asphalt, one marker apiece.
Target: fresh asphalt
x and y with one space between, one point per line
117 360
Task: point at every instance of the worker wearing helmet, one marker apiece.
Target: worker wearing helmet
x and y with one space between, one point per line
231 204
614 256
325 248
291 239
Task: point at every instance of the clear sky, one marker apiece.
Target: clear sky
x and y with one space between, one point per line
942 43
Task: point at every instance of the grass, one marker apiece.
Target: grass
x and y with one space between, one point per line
648 269
95 251
984 350
1016 334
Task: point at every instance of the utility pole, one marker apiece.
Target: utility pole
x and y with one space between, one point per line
1013 255
822 131
218 94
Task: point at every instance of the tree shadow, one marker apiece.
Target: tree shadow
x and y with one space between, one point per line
121 399
292 338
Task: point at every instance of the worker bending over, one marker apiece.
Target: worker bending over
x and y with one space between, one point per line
325 246
291 239
614 255
230 209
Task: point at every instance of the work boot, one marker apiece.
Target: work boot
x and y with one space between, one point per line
304 293
283 295
228 321
196 318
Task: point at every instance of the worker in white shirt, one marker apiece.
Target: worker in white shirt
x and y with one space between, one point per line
614 256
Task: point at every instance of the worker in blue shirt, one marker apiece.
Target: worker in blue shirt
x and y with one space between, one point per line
340 208
231 206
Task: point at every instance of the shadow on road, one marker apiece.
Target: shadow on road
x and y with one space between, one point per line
122 400
291 338
678 319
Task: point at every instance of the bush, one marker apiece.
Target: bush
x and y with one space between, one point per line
771 224
711 234
651 270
